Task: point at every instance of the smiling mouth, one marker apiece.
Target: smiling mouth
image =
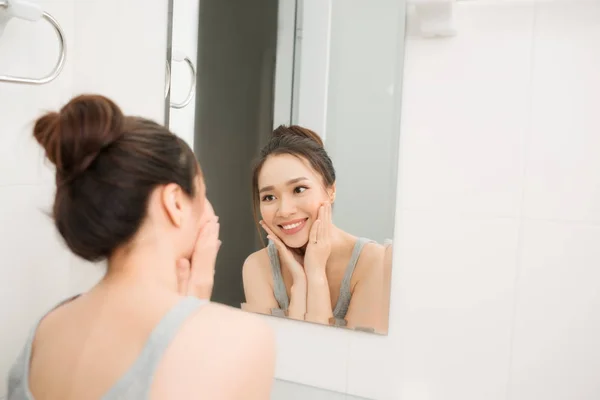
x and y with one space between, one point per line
293 226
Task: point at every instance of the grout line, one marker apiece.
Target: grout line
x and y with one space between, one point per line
522 218
492 216
21 185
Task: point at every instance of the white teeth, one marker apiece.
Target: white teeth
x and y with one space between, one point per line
291 226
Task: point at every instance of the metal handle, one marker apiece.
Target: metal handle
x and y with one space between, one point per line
59 65
168 79
181 57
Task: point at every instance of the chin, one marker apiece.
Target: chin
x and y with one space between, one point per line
295 243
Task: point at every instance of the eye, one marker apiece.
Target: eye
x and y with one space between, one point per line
268 197
300 189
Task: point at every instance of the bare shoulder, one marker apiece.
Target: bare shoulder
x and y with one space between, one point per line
219 351
371 260
257 260
224 323
257 264
372 254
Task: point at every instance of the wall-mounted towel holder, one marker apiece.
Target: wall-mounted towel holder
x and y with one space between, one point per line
433 18
32 12
179 56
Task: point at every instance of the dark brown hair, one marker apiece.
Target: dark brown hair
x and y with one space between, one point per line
107 165
297 141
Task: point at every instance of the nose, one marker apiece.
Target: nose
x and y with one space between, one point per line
286 207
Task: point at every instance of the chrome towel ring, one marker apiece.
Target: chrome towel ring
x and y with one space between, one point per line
32 12
180 57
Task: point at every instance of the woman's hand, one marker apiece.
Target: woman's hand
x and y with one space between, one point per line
287 257
318 298
319 242
195 277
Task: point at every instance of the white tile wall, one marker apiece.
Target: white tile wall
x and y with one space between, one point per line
465 112
500 122
30 49
34 264
562 171
556 353
119 54
495 290
34 268
459 287
312 354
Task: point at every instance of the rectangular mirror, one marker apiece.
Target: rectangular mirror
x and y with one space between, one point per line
286 390
292 112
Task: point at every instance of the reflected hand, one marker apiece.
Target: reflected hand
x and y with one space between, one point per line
319 241
286 256
195 277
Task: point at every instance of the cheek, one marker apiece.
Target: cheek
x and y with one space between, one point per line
267 212
310 205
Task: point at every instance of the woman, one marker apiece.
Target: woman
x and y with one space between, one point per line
311 269
130 191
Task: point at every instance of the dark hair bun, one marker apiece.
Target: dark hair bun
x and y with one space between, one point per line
296 130
74 137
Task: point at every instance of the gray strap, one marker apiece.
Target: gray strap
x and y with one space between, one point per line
137 381
341 307
279 289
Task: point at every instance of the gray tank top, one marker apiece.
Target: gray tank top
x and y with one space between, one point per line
136 382
341 307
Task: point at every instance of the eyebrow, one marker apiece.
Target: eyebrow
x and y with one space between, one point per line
290 182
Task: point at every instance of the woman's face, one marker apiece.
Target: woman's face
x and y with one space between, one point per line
290 194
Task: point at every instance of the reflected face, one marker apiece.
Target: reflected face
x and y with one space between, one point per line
290 194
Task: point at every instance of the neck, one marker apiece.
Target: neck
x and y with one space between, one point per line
142 268
339 243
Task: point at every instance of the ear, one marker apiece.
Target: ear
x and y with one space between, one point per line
331 193
173 201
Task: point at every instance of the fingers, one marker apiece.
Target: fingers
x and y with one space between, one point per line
183 273
210 230
313 236
325 217
270 234
202 271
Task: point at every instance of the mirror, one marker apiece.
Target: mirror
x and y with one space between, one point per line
286 390
294 121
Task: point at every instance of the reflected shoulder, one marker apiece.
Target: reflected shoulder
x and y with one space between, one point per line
257 261
371 258
373 251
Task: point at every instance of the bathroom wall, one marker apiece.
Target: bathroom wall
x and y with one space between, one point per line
116 54
496 280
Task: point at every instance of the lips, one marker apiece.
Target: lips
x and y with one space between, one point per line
292 227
